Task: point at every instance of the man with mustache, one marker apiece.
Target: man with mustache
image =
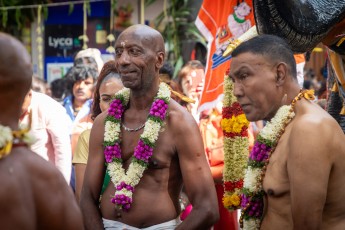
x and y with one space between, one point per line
80 79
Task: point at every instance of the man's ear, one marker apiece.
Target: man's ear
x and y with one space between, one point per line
281 73
160 60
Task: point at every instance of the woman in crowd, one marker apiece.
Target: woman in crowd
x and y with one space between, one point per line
108 84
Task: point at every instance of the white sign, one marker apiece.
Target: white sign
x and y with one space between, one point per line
57 70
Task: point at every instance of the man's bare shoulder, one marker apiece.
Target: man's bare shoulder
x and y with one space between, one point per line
31 162
315 129
179 117
52 198
42 175
315 119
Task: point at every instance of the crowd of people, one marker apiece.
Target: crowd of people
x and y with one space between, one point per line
122 145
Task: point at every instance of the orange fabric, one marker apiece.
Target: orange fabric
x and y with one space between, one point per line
217 22
299 58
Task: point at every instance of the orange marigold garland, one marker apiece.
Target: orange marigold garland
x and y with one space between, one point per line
236 147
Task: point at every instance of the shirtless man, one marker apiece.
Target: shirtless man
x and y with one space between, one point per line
178 156
34 194
305 176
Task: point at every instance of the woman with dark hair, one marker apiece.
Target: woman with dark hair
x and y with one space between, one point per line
108 84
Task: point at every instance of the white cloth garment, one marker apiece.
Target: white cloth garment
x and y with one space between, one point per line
116 225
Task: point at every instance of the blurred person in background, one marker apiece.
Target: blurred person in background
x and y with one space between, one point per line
108 84
39 85
191 81
80 81
58 89
49 125
86 55
166 74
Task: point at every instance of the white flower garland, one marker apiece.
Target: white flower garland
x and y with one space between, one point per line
136 168
252 185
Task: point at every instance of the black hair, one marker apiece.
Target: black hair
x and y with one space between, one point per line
108 71
79 72
58 89
272 47
167 69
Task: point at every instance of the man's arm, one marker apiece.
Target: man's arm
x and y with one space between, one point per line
309 165
196 174
94 174
58 129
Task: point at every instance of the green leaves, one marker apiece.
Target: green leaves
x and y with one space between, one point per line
176 25
14 18
70 8
4 18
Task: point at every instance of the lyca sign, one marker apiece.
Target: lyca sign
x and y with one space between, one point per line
60 42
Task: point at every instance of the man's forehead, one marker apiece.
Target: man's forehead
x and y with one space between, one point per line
130 37
126 41
247 60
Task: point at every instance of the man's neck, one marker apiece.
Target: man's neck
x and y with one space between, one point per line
143 100
77 104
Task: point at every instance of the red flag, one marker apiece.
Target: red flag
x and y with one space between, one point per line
219 21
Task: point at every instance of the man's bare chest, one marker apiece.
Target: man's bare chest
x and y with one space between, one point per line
276 181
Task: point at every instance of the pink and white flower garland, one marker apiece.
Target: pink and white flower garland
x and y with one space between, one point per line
125 182
253 192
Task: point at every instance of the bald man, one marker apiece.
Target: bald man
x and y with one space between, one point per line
178 155
33 194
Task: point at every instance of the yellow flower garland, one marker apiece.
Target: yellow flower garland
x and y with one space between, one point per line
8 136
236 147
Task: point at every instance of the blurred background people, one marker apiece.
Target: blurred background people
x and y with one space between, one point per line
84 55
39 85
191 82
108 84
49 125
212 135
58 89
80 80
166 74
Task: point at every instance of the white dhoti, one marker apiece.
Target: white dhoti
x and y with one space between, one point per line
116 225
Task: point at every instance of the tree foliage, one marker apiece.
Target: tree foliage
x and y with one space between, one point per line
178 27
12 20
